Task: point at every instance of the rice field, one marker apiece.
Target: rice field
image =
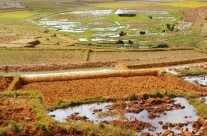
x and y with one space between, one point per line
93 71
187 4
17 14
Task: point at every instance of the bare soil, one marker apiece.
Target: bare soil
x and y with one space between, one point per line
195 15
109 87
4 83
7 39
15 109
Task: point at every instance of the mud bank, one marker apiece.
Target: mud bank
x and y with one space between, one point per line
166 64
52 67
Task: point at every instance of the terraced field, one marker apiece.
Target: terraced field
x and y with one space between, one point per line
73 67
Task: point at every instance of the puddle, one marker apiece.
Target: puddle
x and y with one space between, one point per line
176 70
70 72
83 39
201 80
94 13
79 22
185 26
171 71
183 115
196 68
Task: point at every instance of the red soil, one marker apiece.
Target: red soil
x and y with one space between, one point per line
9 38
4 83
109 87
15 109
195 15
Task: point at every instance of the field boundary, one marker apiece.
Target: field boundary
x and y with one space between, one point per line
123 73
166 64
68 66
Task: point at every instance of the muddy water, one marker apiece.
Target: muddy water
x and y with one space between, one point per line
202 80
178 70
61 72
174 116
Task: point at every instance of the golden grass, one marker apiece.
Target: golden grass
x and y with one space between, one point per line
17 14
117 5
124 73
186 4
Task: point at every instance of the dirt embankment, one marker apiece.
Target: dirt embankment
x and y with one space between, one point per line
4 83
166 64
109 87
65 77
195 15
51 67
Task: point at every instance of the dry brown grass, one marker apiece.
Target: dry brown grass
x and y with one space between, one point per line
54 92
66 77
147 57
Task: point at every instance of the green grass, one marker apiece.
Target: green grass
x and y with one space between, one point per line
86 55
200 106
117 5
194 73
17 14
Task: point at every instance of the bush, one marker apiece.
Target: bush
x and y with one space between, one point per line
164 45
122 33
14 126
142 32
150 17
170 27
130 42
119 42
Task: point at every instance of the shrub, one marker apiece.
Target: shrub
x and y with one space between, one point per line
122 33
130 42
120 42
142 32
14 126
150 17
164 45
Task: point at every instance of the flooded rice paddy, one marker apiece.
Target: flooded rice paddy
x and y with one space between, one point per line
196 73
156 112
91 27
